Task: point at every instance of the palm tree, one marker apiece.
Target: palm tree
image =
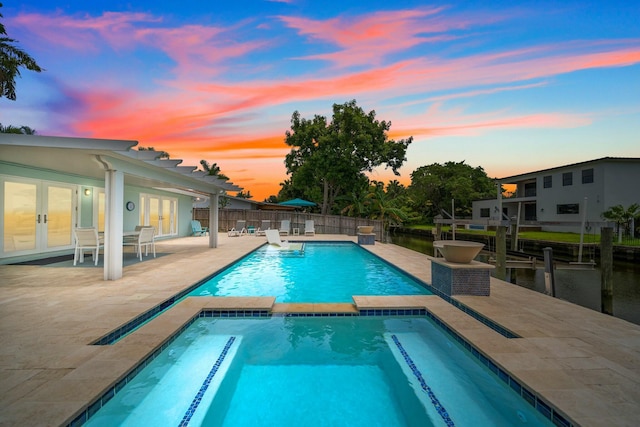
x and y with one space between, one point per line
623 217
11 59
213 169
22 130
161 154
356 204
384 208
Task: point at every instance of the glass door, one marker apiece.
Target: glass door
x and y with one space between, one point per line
37 216
57 216
159 212
19 215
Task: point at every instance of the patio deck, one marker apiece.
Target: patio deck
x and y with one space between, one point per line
585 363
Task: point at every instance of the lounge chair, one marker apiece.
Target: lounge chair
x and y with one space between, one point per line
239 229
273 238
266 225
146 239
285 226
309 228
197 229
87 239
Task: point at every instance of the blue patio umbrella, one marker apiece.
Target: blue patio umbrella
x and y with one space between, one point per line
299 203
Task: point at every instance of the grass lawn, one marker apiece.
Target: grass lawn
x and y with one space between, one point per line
549 236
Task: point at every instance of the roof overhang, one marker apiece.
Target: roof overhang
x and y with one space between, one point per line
89 158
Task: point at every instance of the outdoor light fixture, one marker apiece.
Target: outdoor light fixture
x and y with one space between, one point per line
87 191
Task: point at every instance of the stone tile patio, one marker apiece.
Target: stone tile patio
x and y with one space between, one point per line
584 363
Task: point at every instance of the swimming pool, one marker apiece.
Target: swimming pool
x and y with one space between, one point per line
285 371
323 272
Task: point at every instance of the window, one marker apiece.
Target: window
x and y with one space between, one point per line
567 178
485 212
568 209
547 181
530 189
587 176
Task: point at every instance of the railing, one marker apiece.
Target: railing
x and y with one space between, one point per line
323 224
626 239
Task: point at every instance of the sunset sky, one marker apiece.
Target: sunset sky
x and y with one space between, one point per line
510 86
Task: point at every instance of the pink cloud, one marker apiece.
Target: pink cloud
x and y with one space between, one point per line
366 40
196 49
371 38
86 32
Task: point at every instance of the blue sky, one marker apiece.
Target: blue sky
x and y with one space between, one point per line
511 87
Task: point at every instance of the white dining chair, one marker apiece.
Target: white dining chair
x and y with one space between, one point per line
145 239
87 239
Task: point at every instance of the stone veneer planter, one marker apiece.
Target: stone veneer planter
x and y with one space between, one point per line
458 251
452 278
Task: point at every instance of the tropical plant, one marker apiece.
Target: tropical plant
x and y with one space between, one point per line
22 130
384 208
243 195
12 59
328 160
213 169
160 154
355 203
623 218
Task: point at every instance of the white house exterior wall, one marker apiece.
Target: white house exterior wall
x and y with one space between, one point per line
615 182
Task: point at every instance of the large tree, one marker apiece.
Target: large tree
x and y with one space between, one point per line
328 160
11 59
434 186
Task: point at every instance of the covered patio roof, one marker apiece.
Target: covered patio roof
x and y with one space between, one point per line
87 157
116 163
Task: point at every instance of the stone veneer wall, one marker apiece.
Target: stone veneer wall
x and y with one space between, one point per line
460 281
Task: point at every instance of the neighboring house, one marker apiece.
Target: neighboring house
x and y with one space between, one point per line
230 202
50 185
240 203
560 198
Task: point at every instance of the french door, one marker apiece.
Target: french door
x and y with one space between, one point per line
159 212
37 216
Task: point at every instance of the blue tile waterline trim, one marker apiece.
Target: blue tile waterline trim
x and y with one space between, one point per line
416 372
98 403
394 312
205 384
473 313
468 310
546 409
118 333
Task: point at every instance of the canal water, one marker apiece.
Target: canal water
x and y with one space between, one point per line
580 287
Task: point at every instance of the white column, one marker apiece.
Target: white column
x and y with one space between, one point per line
213 220
113 224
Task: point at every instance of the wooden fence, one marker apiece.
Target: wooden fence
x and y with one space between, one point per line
324 224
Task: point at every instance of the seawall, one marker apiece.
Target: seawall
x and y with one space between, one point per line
561 251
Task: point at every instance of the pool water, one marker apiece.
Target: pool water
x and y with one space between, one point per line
309 371
324 272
